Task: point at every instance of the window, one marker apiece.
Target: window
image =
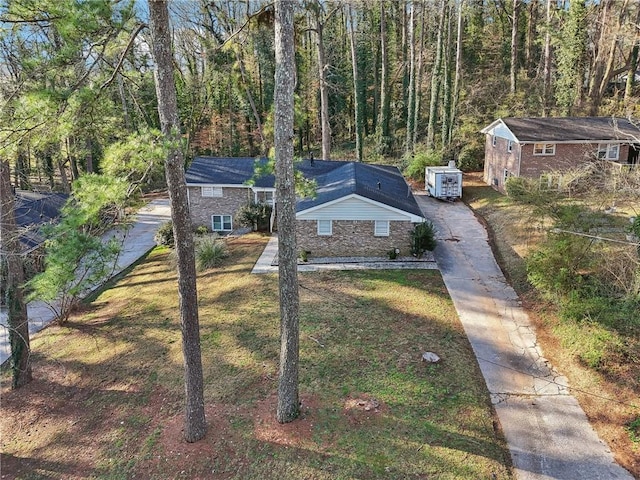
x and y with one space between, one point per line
211 191
493 140
510 146
268 198
264 196
609 151
325 227
544 148
381 228
506 174
221 223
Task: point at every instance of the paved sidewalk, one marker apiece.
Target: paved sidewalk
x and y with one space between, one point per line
137 241
547 432
267 263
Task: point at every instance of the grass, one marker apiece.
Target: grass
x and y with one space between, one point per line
600 355
106 401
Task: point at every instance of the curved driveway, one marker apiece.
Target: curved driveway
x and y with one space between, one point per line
547 432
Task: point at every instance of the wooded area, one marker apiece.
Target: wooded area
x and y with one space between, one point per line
377 81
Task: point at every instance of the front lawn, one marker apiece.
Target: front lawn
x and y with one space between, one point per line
106 401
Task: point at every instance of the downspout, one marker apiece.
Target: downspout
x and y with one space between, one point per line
520 145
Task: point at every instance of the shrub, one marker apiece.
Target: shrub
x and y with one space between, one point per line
422 158
210 252
255 215
164 235
471 157
423 238
201 230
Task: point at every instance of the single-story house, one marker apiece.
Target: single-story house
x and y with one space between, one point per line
529 147
358 209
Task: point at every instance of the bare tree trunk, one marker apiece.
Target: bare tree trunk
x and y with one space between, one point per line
324 91
531 29
418 94
385 94
252 103
436 80
631 74
357 101
412 81
195 422
514 46
288 399
546 97
458 73
17 321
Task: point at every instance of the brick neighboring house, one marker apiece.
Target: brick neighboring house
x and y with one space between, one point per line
529 147
359 209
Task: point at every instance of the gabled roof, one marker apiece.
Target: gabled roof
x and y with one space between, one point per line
565 129
334 179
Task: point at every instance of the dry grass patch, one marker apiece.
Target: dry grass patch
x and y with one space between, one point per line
106 401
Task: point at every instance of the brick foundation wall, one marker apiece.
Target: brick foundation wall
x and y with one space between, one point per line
201 208
353 239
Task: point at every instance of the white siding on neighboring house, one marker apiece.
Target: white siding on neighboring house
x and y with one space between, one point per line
355 208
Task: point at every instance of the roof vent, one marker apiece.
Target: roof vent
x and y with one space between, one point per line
379 186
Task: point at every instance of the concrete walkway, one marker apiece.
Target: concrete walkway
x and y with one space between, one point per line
136 242
267 263
547 432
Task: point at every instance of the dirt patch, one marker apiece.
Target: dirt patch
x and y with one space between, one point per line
362 408
295 434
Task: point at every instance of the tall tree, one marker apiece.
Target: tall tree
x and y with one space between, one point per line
385 85
436 79
288 399
412 80
17 315
571 58
514 46
195 422
546 94
357 88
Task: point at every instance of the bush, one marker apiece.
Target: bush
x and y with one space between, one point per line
201 230
255 215
210 252
422 158
471 157
164 235
423 238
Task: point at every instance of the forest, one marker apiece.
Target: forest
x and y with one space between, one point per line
400 82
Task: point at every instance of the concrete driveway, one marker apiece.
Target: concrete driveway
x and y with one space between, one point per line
547 432
136 242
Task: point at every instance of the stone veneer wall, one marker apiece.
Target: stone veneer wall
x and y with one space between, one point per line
202 208
353 238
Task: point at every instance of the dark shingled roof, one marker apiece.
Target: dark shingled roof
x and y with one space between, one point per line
335 179
567 129
34 210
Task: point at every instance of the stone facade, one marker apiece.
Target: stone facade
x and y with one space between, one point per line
353 238
522 162
232 200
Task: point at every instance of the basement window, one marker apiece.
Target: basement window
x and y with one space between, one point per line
221 223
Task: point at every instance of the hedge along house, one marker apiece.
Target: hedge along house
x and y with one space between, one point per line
530 147
358 209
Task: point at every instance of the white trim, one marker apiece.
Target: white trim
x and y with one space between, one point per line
381 228
321 228
223 185
222 222
543 152
412 217
607 149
